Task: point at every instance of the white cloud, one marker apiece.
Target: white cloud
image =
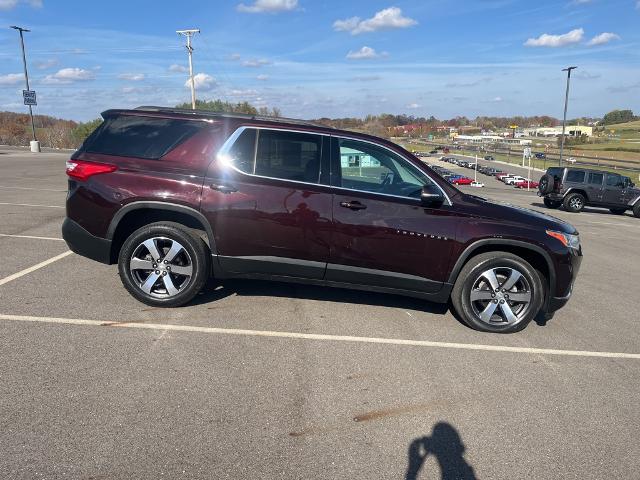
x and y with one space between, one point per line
603 38
413 106
202 82
496 99
178 68
386 19
69 75
638 4
9 4
256 63
44 64
262 77
135 77
11 78
234 57
365 53
243 93
546 40
268 6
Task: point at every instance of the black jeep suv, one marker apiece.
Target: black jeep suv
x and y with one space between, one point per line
177 196
575 188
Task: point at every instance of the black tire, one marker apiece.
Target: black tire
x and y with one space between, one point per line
469 278
545 186
551 203
617 211
192 257
636 209
574 202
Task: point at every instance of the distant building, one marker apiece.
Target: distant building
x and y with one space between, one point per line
488 139
571 130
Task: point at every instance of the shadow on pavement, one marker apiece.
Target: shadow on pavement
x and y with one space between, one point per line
257 288
446 446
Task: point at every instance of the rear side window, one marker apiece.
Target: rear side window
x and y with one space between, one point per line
576 176
140 137
278 154
596 178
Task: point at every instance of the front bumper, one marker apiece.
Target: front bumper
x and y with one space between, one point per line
566 274
83 243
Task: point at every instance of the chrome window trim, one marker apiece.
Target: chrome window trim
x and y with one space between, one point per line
229 142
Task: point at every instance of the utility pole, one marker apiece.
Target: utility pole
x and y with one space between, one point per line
35 147
189 34
566 103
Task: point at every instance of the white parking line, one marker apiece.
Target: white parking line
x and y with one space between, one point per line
34 268
30 205
319 337
32 237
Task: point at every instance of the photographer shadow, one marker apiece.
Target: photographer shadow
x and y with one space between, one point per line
446 446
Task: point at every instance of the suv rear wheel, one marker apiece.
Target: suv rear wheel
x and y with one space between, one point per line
163 264
574 202
636 210
551 203
497 292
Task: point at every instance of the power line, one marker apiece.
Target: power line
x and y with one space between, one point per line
190 33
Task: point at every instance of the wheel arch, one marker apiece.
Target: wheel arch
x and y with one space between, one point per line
533 254
577 190
138 214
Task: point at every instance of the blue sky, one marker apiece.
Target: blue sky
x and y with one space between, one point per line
316 58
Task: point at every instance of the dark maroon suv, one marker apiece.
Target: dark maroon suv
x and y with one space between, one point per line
175 197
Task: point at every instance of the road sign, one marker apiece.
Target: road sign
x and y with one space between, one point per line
29 97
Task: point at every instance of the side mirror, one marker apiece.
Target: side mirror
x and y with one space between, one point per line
431 200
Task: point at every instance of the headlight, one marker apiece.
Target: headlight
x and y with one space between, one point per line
569 241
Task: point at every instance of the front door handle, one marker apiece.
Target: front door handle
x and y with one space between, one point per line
223 188
354 205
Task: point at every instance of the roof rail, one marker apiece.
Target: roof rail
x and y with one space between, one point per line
209 113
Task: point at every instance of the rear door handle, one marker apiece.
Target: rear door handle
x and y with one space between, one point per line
223 188
354 205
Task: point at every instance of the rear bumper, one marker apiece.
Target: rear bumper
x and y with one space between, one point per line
83 243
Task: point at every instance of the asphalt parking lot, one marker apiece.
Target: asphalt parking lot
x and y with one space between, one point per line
269 380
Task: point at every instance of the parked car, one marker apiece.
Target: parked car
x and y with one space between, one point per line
177 196
526 184
489 158
575 188
462 181
540 155
476 184
513 179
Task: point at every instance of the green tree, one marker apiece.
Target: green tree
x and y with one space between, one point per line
619 116
83 130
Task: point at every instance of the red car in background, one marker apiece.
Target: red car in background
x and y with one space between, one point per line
463 181
529 184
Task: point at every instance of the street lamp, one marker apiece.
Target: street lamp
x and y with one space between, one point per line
35 146
566 103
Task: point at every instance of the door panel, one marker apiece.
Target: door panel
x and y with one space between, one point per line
613 192
384 236
266 225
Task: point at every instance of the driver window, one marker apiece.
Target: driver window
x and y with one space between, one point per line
366 167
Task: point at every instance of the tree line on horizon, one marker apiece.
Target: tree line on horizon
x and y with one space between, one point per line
15 128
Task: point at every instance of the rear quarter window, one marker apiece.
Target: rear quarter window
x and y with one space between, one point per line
141 137
575 176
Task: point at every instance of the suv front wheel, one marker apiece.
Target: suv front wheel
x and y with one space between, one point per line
497 292
574 202
163 264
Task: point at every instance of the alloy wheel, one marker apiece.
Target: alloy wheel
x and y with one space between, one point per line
500 296
161 267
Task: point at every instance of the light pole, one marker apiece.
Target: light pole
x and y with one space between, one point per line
566 103
189 33
35 147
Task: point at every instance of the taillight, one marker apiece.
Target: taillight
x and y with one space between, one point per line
81 170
